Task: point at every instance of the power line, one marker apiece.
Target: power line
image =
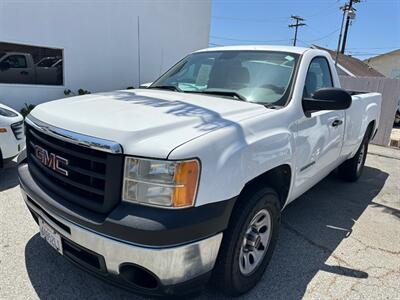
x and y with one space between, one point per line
322 11
279 20
373 48
283 20
242 40
363 53
325 36
271 41
298 24
305 43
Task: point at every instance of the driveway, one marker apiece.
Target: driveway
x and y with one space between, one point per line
339 240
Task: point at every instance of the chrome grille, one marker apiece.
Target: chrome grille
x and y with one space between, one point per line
94 177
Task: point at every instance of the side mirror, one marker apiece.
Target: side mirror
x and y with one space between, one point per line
4 66
327 99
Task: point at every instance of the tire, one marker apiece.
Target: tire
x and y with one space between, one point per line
230 275
397 118
1 160
352 168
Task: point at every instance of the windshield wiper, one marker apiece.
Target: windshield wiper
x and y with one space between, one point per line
166 87
271 105
234 95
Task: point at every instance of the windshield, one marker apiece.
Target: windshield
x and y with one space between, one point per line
254 76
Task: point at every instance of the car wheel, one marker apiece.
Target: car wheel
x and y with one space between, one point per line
1 160
397 118
249 242
352 168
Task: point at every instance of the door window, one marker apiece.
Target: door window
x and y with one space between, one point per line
16 61
318 76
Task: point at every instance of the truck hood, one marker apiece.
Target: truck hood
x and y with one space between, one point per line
146 122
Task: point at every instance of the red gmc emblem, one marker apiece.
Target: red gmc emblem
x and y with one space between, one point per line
51 160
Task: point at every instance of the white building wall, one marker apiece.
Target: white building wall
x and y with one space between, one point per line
100 41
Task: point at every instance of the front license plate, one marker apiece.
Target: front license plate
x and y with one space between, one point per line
50 235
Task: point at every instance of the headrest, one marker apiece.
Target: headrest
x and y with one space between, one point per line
228 74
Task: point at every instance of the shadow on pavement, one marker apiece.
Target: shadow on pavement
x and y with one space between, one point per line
8 176
313 227
388 210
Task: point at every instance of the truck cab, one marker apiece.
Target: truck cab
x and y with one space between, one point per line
17 67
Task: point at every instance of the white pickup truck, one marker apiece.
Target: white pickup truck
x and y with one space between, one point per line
160 189
18 67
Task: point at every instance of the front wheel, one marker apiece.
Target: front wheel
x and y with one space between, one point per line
249 242
1 160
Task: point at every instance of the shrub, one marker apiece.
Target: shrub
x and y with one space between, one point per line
68 92
26 109
83 92
80 92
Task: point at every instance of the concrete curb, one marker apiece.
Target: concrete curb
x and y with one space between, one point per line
388 152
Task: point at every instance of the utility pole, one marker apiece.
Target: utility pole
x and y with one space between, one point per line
350 16
344 8
297 19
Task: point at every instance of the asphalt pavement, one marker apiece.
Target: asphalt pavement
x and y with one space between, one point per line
338 241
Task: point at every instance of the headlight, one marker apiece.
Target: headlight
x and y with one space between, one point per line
7 113
161 183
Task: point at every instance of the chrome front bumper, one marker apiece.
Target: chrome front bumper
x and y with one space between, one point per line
171 265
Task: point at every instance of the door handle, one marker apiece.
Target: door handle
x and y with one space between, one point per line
24 73
336 123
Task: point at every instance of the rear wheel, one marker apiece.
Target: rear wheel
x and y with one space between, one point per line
352 168
249 242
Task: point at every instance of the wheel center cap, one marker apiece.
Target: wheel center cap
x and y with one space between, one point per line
253 241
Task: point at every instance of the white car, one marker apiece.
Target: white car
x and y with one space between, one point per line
12 137
158 189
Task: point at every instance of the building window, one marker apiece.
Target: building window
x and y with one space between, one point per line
30 64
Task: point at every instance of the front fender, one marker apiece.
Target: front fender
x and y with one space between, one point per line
234 155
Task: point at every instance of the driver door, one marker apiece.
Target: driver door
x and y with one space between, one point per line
319 137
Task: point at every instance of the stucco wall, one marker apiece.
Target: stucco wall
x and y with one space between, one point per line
388 65
100 41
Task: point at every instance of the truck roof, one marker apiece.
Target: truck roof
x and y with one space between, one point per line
290 49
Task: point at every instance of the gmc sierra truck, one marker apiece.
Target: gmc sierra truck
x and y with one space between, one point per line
162 189
18 67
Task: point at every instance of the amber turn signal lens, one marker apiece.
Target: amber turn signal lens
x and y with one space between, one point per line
186 179
3 130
